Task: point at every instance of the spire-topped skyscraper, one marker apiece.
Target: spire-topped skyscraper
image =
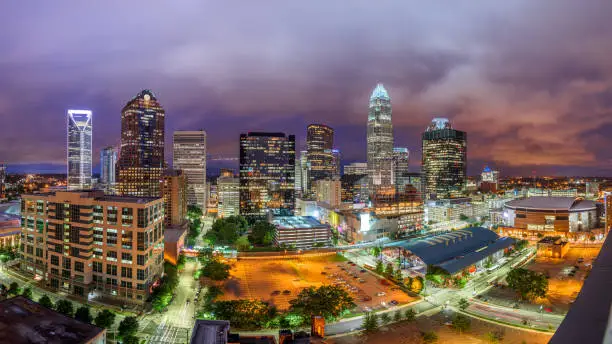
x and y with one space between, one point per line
380 142
79 149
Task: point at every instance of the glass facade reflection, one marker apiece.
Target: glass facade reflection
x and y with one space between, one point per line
79 149
320 142
380 142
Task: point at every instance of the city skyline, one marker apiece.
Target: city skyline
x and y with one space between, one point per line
516 93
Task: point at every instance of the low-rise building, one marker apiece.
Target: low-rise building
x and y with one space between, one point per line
89 244
303 232
553 247
174 240
218 332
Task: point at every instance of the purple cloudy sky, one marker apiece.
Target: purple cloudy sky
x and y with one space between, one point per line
530 81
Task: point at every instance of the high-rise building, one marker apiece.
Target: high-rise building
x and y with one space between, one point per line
304 166
320 142
444 159
356 168
328 191
174 193
89 244
108 162
380 142
228 193
190 156
2 180
267 174
79 149
141 159
401 157
336 161
489 180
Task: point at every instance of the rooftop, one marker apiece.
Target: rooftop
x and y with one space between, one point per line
23 321
296 222
210 332
552 203
552 240
379 92
173 234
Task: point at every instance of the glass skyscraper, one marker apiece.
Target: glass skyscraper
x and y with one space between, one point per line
108 162
380 142
319 143
141 160
79 149
401 157
267 174
189 155
444 159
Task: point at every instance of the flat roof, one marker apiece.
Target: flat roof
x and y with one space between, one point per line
297 222
552 203
210 332
173 234
23 321
457 264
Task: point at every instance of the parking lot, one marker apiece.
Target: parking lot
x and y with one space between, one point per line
279 281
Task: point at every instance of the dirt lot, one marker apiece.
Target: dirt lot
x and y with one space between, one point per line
278 281
409 333
564 281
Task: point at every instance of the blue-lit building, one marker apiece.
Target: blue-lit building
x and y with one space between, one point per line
380 143
79 124
108 161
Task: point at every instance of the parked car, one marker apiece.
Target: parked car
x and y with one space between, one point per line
381 293
367 298
286 292
276 292
394 303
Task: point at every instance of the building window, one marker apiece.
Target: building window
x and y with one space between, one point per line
97 267
111 215
66 263
126 258
55 260
141 274
111 269
111 256
79 266
126 272
141 259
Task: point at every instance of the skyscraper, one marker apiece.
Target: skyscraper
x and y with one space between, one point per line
2 180
108 162
174 193
444 158
380 142
79 149
190 156
337 160
401 177
141 160
228 193
320 142
302 175
267 174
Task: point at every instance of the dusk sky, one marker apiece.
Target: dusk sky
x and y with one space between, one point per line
529 81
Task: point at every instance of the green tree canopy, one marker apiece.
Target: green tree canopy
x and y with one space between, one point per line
242 243
463 304
45 301
262 233
461 323
243 314
128 327
13 289
64 307
370 322
27 293
130 340
83 314
215 270
105 319
527 283
226 231
328 301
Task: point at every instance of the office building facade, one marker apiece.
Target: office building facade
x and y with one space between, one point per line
328 191
79 126
174 192
108 165
380 142
141 159
267 174
320 142
360 168
189 155
91 245
228 194
401 157
444 159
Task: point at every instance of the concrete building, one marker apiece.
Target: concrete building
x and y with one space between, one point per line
551 215
79 149
303 232
91 245
359 168
174 192
328 191
454 210
354 188
553 247
401 159
189 155
141 159
228 194
218 332
380 142
25 321
174 241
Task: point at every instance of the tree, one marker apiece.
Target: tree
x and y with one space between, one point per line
215 270
13 289
389 270
379 266
27 293
496 336
262 233
245 314
130 340
463 217
45 301
375 251
461 323
527 283
463 304
429 337
128 327
64 307
410 315
105 319
416 284
243 244
180 263
397 276
227 230
384 318
328 301
83 314
397 316
370 322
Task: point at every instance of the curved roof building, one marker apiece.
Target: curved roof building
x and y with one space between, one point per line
551 214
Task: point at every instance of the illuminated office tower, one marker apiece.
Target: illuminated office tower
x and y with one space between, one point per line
228 194
190 156
302 175
267 174
444 159
320 142
2 180
79 149
141 160
356 168
380 142
401 175
108 162
337 159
